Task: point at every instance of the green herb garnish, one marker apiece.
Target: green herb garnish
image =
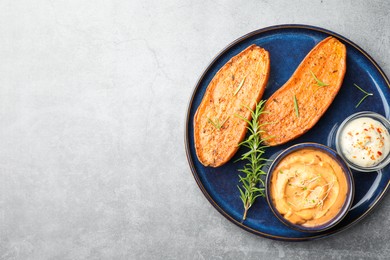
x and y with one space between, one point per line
319 82
216 124
239 86
365 92
296 106
252 185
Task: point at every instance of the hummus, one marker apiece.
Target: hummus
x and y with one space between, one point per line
308 187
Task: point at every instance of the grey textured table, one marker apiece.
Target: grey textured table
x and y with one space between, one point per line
93 97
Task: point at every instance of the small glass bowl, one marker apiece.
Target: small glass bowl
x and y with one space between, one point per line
381 119
349 180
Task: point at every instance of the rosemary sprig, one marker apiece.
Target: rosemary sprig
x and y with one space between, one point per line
216 124
252 184
296 106
239 86
365 92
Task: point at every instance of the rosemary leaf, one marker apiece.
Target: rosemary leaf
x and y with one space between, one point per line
239 86
241 193
361 100
224 121
215 124
296 106
241 117
319 82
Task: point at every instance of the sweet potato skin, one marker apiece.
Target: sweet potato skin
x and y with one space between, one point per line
282 123
224 99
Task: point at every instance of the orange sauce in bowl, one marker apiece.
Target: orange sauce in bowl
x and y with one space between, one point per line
308 187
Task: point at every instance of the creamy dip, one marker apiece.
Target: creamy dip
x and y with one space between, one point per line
365 142
308 187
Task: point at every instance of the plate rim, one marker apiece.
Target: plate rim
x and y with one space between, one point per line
188 112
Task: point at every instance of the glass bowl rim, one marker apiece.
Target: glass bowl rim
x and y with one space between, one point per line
378 117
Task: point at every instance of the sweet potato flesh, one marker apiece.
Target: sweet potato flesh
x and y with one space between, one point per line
239 83
298 105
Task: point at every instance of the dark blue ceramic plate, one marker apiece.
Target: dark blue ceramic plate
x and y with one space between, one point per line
288 45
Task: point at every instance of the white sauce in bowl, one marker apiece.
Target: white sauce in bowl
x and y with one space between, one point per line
365 142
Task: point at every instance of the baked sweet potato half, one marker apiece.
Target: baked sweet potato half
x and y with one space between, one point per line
298 105
240 82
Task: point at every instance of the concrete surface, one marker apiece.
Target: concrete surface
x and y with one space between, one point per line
93 97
